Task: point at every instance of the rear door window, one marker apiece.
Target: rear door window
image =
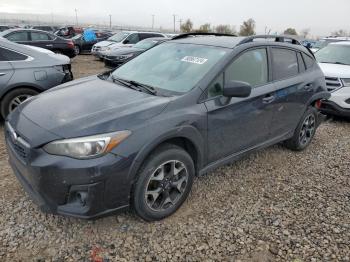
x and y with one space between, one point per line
284 63
9 55
133 39
40 36
18 36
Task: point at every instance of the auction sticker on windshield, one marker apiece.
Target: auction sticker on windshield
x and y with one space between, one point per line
194 60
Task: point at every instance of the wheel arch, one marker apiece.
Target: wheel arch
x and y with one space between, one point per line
188 138
13 88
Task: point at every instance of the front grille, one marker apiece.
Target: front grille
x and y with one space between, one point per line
17 143
333 83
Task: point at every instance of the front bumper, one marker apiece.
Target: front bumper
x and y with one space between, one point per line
79 188
111 63
331 108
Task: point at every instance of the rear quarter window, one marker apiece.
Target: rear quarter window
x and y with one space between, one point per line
9 55
309 62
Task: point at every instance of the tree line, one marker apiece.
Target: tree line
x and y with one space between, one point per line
246 29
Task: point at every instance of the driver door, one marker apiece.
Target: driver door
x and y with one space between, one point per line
239 124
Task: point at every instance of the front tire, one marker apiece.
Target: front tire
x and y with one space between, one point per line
163 183
14 98
305 131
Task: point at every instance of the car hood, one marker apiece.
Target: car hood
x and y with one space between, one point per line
91 106
335 70
124 51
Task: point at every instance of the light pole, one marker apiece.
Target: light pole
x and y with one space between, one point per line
110 21
76 16
153 21
174 23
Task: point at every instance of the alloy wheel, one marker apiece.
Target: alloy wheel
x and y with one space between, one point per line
15 102
307 130
166 185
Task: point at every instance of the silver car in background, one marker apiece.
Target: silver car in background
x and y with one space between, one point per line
26 71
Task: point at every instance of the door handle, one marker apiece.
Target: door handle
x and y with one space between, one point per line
49 45
268 99
2 74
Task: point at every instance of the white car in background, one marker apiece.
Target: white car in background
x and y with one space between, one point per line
119 40
334 61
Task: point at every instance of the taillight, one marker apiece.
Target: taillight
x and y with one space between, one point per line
318 104
70 44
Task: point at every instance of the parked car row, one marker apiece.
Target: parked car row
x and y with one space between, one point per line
41 39
117 57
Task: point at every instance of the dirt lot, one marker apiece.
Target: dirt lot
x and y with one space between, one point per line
275 205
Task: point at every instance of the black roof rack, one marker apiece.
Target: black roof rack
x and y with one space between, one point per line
278 38
199 34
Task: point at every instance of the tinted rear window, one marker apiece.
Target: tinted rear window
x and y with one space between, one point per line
8 55
18 36
284 63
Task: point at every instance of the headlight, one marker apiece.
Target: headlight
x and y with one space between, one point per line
346 82
123 57
86 147
105 48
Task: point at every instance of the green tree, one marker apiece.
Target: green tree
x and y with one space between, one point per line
187 27
305 32
204 29
247 28
340 32
225 29
290 31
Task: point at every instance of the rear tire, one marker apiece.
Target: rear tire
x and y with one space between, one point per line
163 184
15 98
305 131
77 50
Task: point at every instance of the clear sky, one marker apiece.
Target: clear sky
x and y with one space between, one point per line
321 16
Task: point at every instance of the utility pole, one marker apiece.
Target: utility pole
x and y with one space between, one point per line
174 23
153 21
180 23
110 21
76 16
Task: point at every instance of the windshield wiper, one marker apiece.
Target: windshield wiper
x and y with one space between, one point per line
147 88
125 83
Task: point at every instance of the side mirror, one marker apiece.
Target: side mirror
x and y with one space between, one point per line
237 89
126 41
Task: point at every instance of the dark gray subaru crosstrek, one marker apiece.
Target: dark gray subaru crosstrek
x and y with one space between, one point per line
136 137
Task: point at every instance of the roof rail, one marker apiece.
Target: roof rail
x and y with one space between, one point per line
199 34
278 38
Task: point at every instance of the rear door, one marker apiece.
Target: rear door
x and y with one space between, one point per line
294 88
41 39
238 124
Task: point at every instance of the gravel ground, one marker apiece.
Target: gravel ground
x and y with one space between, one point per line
275 205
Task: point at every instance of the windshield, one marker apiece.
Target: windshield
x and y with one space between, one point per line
334 54
173 67
118 37
146 44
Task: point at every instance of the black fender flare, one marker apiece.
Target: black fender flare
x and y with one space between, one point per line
319 96
187 132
